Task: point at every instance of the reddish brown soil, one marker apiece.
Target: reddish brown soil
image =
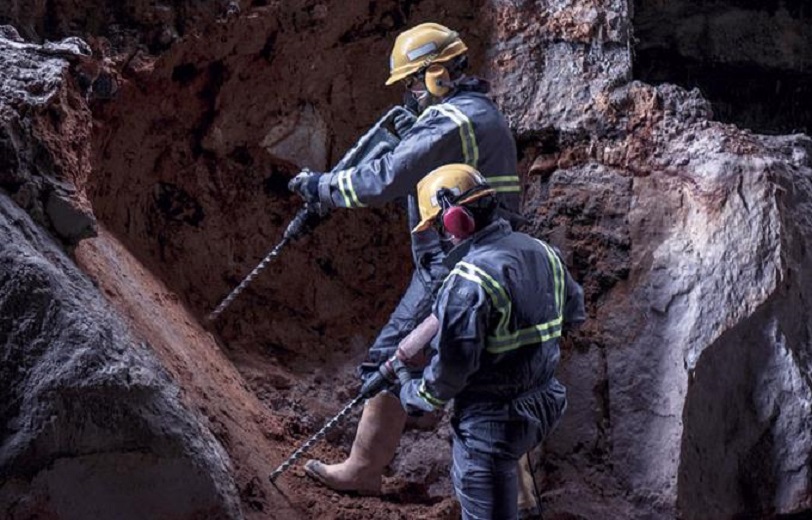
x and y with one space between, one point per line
261 412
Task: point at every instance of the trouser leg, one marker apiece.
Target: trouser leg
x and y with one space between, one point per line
486 486
413 308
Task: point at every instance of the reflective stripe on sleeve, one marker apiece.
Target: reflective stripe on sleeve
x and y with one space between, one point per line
470 150
424 394
505 183
347 190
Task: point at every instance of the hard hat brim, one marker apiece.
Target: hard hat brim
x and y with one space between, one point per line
403 73
428 221
394 78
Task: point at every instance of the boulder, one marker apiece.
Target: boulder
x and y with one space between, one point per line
93 425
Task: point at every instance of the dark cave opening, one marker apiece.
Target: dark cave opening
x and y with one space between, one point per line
752 60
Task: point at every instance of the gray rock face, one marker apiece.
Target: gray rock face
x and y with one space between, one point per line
748 413
550 59
691 383
690 387
92 425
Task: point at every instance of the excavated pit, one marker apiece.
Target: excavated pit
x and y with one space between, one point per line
751 59
195 185
689 237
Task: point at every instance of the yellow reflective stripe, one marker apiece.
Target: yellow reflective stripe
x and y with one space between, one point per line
558 277
502 325
342 188
529 336
487 277
502 340
496 292
470 150
504 183
467 133
534 332
352 189
347 189
503 178
423 393
542 332
492 291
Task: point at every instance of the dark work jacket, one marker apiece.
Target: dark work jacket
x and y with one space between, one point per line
502 310
465 127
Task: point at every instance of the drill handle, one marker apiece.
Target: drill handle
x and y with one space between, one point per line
306 219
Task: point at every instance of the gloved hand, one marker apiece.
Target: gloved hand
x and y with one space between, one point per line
306 184
383 378
373 360
367 369
389 375
304 222
404 121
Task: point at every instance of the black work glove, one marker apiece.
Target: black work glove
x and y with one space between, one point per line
403 123
306 184
373 360
367 370
304 222
384 378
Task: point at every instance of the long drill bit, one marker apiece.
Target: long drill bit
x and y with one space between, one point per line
303 222
315 438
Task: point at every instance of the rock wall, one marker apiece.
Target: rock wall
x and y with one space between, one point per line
44 132
750 59
677 227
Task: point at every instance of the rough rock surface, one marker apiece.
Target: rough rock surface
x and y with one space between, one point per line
93 427
44 133
689 386
697 367
753 60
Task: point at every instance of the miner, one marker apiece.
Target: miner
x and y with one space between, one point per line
456 123
501 311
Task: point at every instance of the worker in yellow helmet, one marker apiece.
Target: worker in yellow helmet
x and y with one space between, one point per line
501 312
456 122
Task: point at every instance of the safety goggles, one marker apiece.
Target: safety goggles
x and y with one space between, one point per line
415 82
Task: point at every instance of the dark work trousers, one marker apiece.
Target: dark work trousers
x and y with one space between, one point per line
487 485
413 308
489 439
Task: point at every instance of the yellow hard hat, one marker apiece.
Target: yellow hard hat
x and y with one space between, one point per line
460 179
420 46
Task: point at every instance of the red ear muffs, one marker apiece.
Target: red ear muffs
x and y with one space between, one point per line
459 222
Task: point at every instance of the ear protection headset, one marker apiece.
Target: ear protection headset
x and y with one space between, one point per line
456 220
437 80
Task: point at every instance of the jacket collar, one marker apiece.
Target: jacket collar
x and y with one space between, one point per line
490 233
469 84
